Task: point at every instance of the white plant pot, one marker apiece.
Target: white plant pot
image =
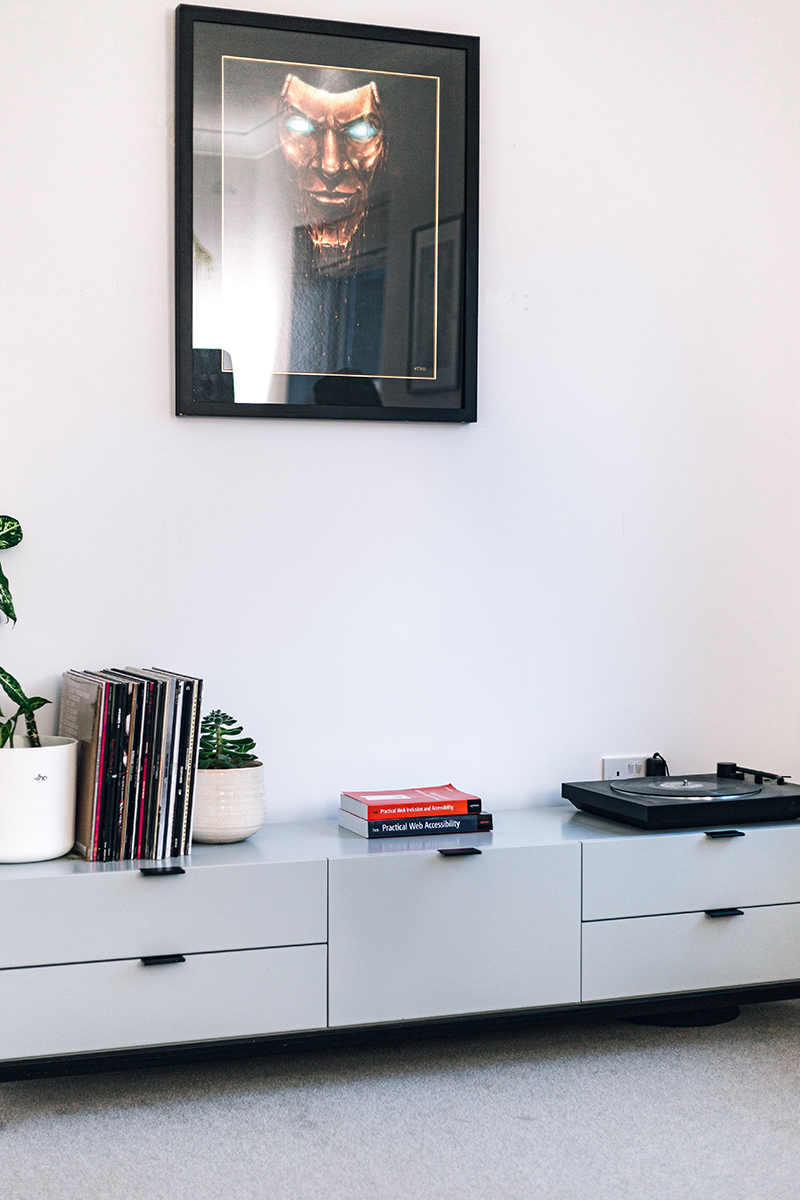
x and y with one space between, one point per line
37 799
228 805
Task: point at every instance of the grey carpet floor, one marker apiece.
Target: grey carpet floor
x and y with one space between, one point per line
601 1112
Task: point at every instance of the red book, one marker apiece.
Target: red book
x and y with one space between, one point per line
411 802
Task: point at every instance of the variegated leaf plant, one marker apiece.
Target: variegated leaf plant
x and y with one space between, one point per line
10 535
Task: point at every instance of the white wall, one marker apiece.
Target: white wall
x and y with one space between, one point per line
607 562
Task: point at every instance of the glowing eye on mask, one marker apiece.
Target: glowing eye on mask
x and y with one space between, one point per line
300 125
361 131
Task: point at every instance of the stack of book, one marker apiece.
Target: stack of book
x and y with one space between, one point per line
138 738
412 813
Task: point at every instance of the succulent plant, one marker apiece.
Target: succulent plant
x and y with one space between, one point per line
221 749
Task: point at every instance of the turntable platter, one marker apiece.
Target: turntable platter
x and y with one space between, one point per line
686 787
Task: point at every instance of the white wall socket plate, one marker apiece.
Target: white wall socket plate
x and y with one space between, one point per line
623 766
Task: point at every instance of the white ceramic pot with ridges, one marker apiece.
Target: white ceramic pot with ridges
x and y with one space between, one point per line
228 805
37 799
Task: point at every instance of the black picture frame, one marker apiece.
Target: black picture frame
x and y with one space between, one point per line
283 312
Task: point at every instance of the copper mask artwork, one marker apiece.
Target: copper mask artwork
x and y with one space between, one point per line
335 143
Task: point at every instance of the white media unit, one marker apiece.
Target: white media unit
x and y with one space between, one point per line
307 927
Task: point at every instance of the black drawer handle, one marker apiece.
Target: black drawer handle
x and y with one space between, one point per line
161 960
162 871
724 912
724 833
460 851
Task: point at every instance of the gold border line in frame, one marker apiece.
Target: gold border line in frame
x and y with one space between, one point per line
436 248
222 203
279 62
347 375
283 62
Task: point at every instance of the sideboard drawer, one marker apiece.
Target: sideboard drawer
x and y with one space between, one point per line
687 871
82 1007
688 952
416 934
123 914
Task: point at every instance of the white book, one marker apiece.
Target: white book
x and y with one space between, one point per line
354 824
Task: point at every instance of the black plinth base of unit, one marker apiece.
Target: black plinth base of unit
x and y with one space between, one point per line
689 1018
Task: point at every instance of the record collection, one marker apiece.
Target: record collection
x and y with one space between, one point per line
415 812
138 737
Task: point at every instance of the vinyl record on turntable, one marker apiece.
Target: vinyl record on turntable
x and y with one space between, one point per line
686 788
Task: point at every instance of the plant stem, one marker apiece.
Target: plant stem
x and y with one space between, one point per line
33 732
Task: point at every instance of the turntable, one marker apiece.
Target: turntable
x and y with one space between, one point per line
735 795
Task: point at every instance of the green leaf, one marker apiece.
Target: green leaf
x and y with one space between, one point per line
6 730
12 689
220 749
35 702
6 603
10 532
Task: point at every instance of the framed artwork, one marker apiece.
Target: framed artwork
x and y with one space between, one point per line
326 219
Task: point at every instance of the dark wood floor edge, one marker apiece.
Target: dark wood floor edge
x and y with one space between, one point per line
267 1045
